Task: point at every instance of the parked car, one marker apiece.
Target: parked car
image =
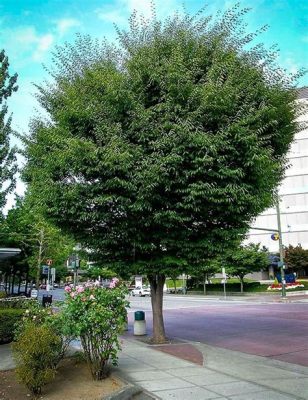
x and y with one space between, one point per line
55 285
141 291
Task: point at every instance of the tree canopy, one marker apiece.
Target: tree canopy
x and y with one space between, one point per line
296 259
7 154
158 152
26 228
245 260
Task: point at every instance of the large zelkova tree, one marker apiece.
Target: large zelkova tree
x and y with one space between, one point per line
245 260
160 150
7 154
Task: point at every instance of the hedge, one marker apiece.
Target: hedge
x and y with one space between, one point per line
8 318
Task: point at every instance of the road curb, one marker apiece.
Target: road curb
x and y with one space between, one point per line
126 393
131 392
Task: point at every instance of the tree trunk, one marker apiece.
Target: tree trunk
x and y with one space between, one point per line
157 286
204 283
174 285
242 284
39 259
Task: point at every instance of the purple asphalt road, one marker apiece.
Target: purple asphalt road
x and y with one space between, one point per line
278 331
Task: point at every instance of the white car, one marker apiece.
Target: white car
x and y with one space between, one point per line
141 291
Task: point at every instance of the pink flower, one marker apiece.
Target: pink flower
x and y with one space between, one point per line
113 283
80 289
68 289
73 294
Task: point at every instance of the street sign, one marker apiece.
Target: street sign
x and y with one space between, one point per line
275 236
34 293
224 273
45 269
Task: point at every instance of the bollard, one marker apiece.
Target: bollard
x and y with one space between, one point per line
139 323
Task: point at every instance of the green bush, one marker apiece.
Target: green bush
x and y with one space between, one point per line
8 319
233 287
16 302
2 295
37 315
36 353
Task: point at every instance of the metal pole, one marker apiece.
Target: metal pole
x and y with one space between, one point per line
283 282
48 279
75 276
225 294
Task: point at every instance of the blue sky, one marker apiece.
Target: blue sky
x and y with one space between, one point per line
29 30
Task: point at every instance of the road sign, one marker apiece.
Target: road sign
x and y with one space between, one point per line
275 236
34 293
45 269
224 273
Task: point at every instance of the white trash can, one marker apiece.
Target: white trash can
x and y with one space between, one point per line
139 323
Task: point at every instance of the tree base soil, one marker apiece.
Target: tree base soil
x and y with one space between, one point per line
72 382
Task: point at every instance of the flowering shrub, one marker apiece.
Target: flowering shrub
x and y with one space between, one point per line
97 316
278 286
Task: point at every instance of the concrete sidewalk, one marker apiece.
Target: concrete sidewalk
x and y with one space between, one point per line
225 374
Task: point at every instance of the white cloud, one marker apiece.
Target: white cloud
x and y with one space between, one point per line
43 44
291 65
65 24
142 6
121 10
26 35
30 41
112 16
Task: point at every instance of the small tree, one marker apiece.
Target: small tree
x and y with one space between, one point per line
296 259
27 228
206 270
245 260
7 155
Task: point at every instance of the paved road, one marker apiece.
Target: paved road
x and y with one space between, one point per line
265 328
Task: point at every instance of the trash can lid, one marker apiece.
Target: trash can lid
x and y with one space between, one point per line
139 315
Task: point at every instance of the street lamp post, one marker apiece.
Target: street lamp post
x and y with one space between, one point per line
281 262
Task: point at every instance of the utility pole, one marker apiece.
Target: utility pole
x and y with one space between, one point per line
281 262
39 259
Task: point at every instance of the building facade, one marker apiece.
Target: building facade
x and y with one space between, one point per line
293 194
